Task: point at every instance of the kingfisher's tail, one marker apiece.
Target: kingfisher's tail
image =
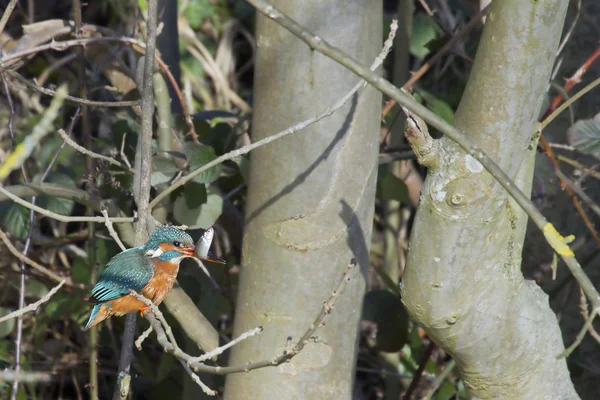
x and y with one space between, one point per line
98 315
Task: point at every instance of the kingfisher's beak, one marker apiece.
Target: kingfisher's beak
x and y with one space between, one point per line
213 258
190 252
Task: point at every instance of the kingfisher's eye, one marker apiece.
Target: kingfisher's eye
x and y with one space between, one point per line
176 244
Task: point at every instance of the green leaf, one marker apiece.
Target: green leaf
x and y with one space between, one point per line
195 195
163 170
584 135
15 219
6 327
446 391
35 289
242 163
80 271
59 305
203 216
424 30
439 107
196 11
387 311
57 204
200 156
390 187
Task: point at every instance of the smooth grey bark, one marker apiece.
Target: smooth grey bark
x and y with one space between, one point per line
310 203
462 281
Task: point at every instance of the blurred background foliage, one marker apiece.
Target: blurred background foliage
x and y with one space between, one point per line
217 46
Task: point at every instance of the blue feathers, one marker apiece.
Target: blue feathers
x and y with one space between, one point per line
130 269
93 315
167 234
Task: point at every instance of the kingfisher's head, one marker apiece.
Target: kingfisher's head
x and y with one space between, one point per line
167 243
171 244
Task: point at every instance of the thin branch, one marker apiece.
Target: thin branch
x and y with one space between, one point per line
419 372
33 306
586 315
59 217
567 103
567 35
89 153
61 191
137 45
570 191
143 336
580 335
92 103
461 138
6 14
196 379
25 377
141 187
576 188
24 149
220 350
111 229
587 170
41 269
292 129
440 379
450 44
165 337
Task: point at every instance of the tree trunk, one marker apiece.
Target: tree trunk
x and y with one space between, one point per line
463 281
310 203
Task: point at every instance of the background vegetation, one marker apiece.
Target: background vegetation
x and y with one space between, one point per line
215 68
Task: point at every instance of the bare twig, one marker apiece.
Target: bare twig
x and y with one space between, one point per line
295 128
12 58
111 229
59 217
419 372
220 350
33 306
41 269
196 379
6 14
25 377
576 188
89 153
41 129
165 337
440 379
461 138
580 335
583 304
143 166
450 44
92 103
567 103
143 336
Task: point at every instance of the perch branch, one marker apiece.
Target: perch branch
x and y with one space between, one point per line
141 187
165 337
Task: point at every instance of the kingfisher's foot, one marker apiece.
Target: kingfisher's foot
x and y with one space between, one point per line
144 309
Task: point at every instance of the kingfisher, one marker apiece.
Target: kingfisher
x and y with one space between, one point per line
150 269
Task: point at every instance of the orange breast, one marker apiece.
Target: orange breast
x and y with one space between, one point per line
165 274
